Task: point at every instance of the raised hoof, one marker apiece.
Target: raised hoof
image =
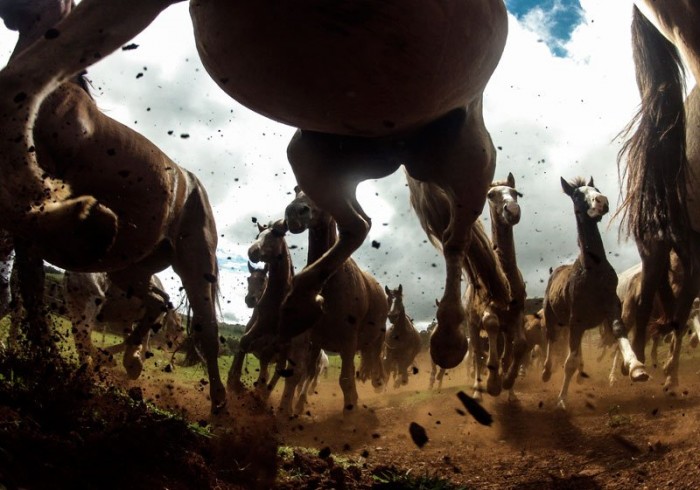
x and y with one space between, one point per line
448 351
546 375
561 405
638 372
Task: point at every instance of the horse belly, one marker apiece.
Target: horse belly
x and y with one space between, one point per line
358 67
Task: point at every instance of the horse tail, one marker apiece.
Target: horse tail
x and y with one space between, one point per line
483 268
656 169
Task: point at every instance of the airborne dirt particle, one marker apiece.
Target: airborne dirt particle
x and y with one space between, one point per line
418 434
475 409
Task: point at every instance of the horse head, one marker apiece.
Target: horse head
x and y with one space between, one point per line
395 298
587 199
300 213
503 200
256 284
269 244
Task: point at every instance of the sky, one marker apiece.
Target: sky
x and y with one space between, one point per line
562 92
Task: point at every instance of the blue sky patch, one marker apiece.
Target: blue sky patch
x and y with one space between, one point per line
559 19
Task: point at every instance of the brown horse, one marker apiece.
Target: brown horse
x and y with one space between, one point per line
582 295
402 343
370 85
136 211
355 308
92 300
262 330
505 214
629 290
662 158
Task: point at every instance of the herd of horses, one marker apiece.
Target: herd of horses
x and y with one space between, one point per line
370 86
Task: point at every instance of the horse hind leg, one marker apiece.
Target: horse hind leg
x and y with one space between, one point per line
493 378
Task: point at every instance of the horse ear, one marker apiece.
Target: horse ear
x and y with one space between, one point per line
260 227
297 189
386 290
400 288
280 226
511 180
590 182
437 302
567 188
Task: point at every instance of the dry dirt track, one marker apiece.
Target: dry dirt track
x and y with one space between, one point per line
628 436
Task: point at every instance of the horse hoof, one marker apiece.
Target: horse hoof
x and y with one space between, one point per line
132 362
494 385
546 375
561 405
694 341
638 372
447 351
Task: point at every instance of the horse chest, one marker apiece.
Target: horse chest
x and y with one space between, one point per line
355 68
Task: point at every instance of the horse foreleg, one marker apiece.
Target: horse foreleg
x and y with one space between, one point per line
235 372
328 169
572 363
655 264
492 326
671 365
611 377
630 363
519 350
347 381
93 30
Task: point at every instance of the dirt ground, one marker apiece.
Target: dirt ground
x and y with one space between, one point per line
626 436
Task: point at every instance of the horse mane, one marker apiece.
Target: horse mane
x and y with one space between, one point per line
655 173
483 267
578 181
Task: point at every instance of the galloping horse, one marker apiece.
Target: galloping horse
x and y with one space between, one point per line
262 330
505 214
92 299
662 155
133 210
355 308
370 85
402 343
582 295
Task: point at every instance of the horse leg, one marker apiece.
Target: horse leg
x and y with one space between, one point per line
195 263
655 349
571 364
519 350
655 264
312 372
347 381
77 226
493 378
433 372
456 154
328 169
611 377
235 372
671 365
630 363
550 335
31 278
695 326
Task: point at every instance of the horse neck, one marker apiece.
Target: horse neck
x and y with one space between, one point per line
322 236
592 251
505 246
279 280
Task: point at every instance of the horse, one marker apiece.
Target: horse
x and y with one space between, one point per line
629 291
504 211
262 329
136 211
355 308
91 300
402 343
583 295
412 94
662 157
